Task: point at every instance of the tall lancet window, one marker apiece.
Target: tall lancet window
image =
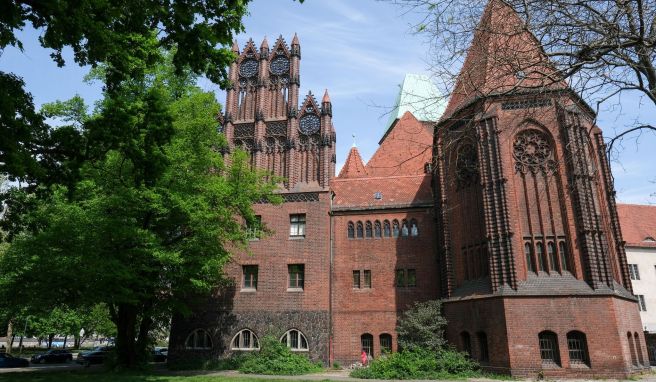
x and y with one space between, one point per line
540 198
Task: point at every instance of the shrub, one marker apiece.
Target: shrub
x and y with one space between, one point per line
417 363
275 358
231 363
422 326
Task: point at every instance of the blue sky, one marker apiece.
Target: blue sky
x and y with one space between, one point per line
360 51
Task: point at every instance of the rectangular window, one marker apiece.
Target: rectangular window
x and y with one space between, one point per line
356 279
296 276
411 278
634 272
297 225
641 303
367 278
250 276
400 278
253 231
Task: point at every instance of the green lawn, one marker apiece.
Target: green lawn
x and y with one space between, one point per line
78 376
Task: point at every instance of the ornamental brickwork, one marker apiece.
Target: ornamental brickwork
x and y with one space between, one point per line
504 209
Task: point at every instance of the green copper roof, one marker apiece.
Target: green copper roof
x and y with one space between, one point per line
419 96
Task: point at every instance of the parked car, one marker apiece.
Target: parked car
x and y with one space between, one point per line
7 360
53 356
95 355
159 354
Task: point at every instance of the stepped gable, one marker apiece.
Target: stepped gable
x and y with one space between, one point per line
404 150
638 222
354 166
504 57
394 192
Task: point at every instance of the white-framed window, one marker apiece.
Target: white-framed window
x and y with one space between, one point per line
245 340
641 303
295 340
250 276
199 339
296 276
297 225
634 272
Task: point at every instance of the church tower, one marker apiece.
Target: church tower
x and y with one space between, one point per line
528 231
294 141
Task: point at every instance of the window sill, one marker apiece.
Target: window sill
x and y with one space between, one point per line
248 290
299 350
578 365
362 290
295 290
254 239
550 365
250 349
297 238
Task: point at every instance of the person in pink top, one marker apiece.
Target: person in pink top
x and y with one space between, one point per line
363 356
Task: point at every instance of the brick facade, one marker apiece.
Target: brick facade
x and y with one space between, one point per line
504 209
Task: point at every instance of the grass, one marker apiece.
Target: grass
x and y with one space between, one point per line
77 376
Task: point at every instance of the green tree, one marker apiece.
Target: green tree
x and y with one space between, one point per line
422 326
120 34
152 218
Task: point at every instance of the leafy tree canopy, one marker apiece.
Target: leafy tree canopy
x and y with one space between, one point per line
422 327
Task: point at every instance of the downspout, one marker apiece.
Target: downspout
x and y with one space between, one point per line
330 284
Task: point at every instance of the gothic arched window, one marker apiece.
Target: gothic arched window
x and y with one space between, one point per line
395 228
295 340
551 252
351 230
562 247
368 230
360 230
404 228
377 229
245 340
539 249
414 229
387 231
528 252
198 339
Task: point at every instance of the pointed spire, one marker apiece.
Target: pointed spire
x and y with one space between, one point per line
295 39
353 167
326 97
235 46
265 44
504 56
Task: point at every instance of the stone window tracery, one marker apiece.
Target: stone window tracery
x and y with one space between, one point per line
377 229
368 230
387 231
360 230
295 340
466 164
533 152
245 340
351 230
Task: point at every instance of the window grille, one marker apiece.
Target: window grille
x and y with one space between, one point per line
385 343
367 341
549 348
577 346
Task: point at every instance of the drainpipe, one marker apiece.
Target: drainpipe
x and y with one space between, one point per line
331 356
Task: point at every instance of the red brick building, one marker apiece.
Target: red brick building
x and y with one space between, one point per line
504 208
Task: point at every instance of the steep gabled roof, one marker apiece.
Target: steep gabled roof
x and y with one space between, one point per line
404 150
353 167
638 224
504 57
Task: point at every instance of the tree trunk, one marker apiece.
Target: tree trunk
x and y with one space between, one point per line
20 343
125 335
50 338
10 336
76 341
65 338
